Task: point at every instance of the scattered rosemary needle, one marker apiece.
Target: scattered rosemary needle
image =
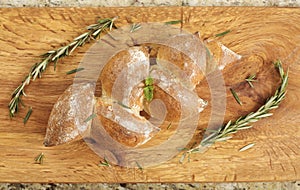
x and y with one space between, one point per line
105 163
53 56
236 96
169 126
74 71
222 33
139 165
90 117
251 79
27 115
123 105
182 157
135 27
173 22
244 122
246 147
39 159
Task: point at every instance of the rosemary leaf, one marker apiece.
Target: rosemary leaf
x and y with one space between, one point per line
181 149
135 27
90 117
105 163
222 33
247 147
139 165
251 79
236 96
169 126
182 157
245 127
250 83
264 115
123 105
74 71
223 139
173 22
227 125
27 115
39 159
81 36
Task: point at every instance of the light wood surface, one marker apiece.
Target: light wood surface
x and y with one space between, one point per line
261 35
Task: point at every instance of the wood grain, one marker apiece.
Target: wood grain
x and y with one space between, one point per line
261 35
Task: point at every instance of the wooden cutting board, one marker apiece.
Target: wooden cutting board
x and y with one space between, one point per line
266 34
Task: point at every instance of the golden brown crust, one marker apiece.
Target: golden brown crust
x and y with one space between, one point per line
67 118
115 66
182 61
176 61
127 135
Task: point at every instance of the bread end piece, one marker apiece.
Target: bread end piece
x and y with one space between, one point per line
68 117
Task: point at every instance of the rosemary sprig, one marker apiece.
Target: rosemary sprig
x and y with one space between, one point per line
135 27
222 33
39 159
139 166
27 115
53 56
236 97
224 133
148 89
105 163
251 79
74 71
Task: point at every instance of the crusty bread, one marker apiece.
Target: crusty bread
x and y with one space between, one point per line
67 118
123 125
186 70
122 100
117 64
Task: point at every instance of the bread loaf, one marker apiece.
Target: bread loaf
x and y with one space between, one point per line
68 116
119 108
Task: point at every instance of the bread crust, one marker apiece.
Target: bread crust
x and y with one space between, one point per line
67 118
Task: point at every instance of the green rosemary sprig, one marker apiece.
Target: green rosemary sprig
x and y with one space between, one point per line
244 122
53 56
148 89
251 79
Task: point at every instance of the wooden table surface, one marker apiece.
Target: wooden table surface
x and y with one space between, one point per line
263 34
